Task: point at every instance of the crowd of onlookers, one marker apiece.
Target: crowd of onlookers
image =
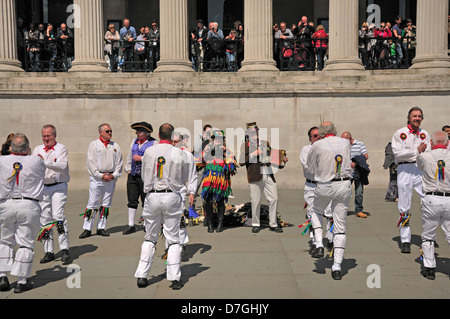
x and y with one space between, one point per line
44 47
301 46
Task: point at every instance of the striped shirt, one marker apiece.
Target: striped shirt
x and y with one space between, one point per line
358 148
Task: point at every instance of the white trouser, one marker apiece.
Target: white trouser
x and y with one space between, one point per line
54 200
435 210
161 209
269 187
409 177
308 195
19 220
184 238
338 194
100 195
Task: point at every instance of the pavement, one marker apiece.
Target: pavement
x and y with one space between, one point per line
240 265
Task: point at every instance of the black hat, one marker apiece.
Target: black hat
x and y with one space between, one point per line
143 127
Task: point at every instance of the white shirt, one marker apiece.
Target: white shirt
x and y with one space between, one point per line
178 169
30 181
101 159
404 144
303 158
322 159
427 162
56 162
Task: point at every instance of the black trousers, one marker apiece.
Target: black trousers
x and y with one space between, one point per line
135 190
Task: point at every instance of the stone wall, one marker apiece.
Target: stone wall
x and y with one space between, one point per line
372 107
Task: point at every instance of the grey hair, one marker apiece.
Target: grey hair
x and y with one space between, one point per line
439 138
100 127
327 128
50 126
20 144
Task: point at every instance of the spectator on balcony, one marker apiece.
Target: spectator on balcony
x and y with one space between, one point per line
127 35
321 40
112 45
214 32
397 32
304 33
140 49
21 30
382 48
284 39
363 34
198 35
154 37
231 51
215 45
65 35
409 39
51 46
33 47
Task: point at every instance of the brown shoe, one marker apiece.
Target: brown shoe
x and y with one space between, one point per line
361 214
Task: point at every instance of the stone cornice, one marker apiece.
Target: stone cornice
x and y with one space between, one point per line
280 84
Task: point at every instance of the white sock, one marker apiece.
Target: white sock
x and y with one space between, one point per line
131 216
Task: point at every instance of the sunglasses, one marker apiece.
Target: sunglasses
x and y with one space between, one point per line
109 131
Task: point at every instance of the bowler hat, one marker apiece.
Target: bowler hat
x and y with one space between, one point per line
143 127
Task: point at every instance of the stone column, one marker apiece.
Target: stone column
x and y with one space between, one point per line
431 34
258 47
343 37
174 44
89 37
8 37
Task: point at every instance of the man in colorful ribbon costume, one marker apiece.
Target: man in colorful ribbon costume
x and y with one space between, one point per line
329 159
436 202
165 171
104 163
310 185
260 177
21 189
55 156
407 143
219 165
135 186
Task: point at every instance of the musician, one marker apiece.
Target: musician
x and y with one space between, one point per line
260 177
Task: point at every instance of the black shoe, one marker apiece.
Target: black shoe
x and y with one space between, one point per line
102 232
48 257
176 285
255 229
318 253
4 284
336 275
406 248
276 229
129 230
86 233
23 287
142 282
312 249
428 273
65 255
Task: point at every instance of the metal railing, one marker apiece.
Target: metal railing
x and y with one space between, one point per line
300 54
387 53
216 55
48 55
131 56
